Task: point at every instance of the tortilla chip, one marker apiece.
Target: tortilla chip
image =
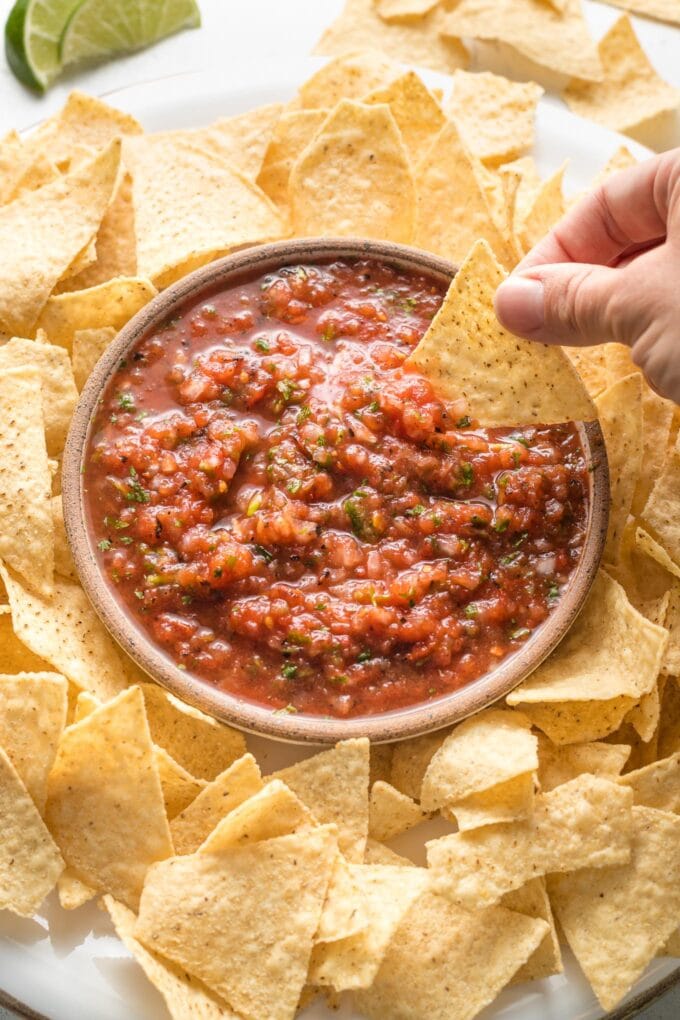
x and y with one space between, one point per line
347 76
532 900
190 208
644 716
557 765
416 42
241 141
201 745
656 785
358 152
105 804
495 116
621 160
660 511
226 918
520 382
293 133
583 823
558 41
179 787
65 631
410 760
87 347
387 893
510 801
590 365
620 413
391 812
271 812
72 892
378 853
115 243
232 787
26 527
59 394
32 716
646 582
63 561
546 209
69 211
83 123
21 169
669 724
671 662
574 722
334 786
403 10
30 862
616 919
522 182
15 657
418 115
432 965
657 420
344 913
454 209
184 995
109 304
488 748
631 92
611 650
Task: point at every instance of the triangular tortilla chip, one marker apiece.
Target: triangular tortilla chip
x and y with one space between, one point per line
108 304
359 26
57 384
271 812
544 211
663 10
115 243
391 812
631 93
358 152
532 900
32 716
292 134
660 512
656 785
616 919
30 862
179 787
87 347
334 786
454 207
571 722
105 804
21 169
26 526
559 764
243 919
43 231
348 76
232 787
495 116
556 40
65 631
418 115
84 123
186 997
504 380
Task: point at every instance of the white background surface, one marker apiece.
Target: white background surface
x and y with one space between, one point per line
246 36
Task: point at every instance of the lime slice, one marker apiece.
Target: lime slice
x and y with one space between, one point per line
32 34
101 28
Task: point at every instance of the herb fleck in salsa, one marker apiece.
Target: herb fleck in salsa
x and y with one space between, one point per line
295 516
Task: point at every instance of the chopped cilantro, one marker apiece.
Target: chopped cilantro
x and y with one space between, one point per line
416 511
467 474
520 634
135 493
254 504
365 656
471 609
464 422
294 485
288 710
553 591
262 345
187 600
502 525
289 671
139 594
374 407
264 553
303 414
104 545
328 332
126 401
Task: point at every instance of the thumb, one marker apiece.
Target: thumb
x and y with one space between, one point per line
569 303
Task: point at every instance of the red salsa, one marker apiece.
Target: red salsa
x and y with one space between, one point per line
293 515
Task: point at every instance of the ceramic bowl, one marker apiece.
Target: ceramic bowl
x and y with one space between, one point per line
388 726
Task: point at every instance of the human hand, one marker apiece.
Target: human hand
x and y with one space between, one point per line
609 271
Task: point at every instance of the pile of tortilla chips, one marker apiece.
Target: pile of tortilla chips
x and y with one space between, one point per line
243 895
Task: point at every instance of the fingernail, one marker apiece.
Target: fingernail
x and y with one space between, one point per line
519 305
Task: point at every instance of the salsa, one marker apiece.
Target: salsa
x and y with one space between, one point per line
293 515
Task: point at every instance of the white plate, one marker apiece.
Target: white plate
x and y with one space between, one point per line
69 966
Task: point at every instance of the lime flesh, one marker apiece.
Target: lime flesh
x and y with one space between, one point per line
100 28
32 34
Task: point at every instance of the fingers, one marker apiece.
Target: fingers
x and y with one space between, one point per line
578 305
628 210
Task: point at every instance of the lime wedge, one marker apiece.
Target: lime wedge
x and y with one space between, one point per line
100 28
32 34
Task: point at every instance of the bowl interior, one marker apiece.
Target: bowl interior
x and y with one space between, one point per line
387 726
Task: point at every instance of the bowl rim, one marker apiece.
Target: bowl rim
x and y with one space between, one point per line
397 724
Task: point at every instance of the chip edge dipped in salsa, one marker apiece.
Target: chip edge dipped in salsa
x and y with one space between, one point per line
291 513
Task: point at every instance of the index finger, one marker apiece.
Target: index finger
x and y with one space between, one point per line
630 208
